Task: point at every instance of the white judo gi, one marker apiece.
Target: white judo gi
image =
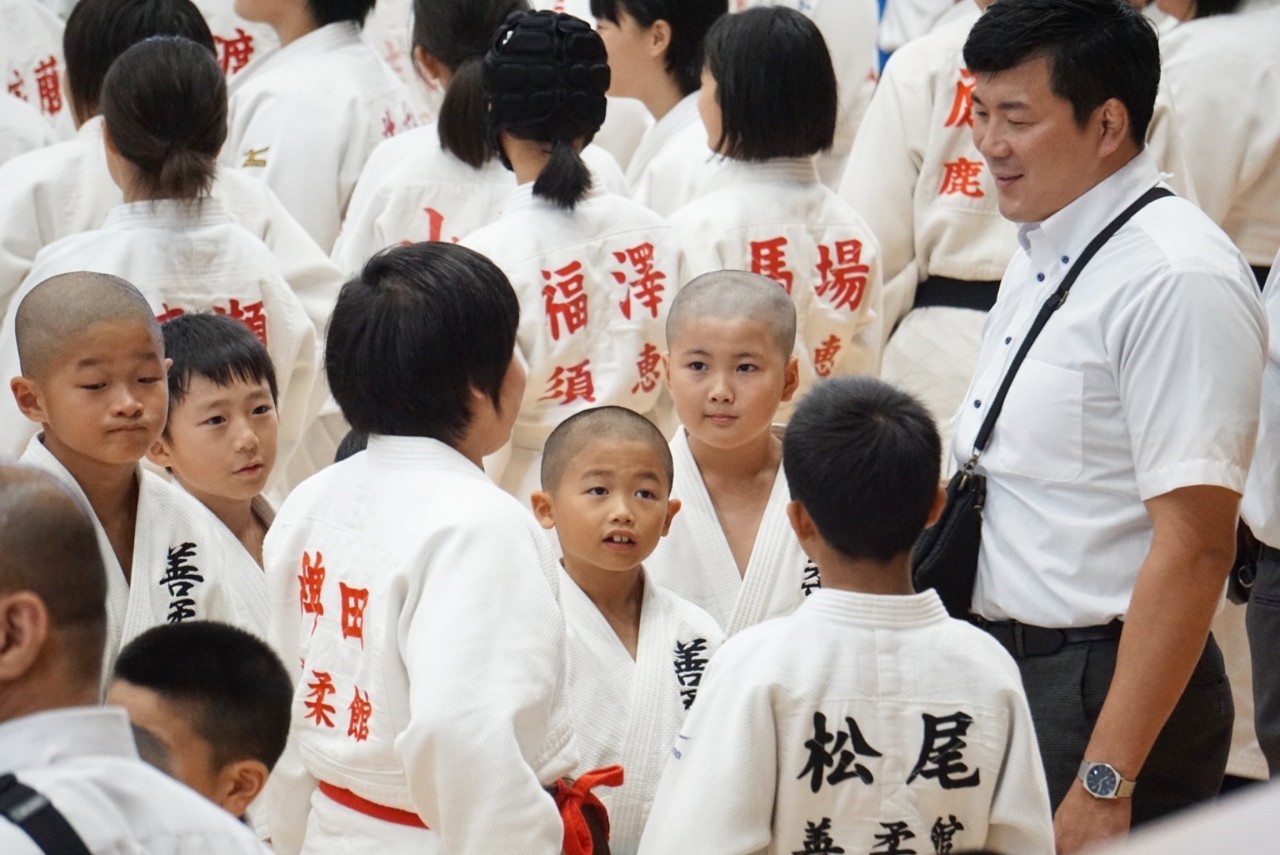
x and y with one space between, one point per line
186 564
695 562
860 723
22 128
186 259
672 161
413 190
594 285
627 711
777 219
429 655
919 181
1225 73
305 118
31 57
388 30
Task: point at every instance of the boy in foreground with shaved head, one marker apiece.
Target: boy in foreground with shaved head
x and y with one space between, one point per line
636 651
93 377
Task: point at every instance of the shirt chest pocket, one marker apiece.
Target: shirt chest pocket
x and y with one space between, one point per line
1038 433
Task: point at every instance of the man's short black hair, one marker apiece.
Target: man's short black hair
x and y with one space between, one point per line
785 107
1096 49
333 11
411 336
98 31
689 21
863 458
218 348
236 688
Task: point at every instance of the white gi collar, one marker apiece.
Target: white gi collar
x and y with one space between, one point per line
874 610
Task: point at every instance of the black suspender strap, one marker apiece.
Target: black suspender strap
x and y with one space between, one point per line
1056 299
37 816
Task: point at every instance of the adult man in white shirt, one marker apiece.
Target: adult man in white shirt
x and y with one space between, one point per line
79 757
1115 468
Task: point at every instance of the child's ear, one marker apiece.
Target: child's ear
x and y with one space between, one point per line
659 38
27 393
666 369
791 378
544 509
801 522
239 784
159 454
673 506
429 67
939 502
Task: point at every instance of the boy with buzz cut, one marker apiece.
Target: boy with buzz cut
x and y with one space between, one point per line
730 365
219 442
869 720
215 698
93 377
636 651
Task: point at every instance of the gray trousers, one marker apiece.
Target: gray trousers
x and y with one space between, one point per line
1186 765
1262 622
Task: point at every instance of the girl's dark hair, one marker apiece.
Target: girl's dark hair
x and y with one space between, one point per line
546 76
457 33
785 107
689 21
164 102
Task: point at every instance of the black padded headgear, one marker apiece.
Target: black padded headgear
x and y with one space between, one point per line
545 76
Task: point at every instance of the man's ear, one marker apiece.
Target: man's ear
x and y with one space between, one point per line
26 392
24 629
673 507
544 509
1113 119
239 784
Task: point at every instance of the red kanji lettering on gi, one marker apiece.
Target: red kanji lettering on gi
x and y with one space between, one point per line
962 107
249 314
169 313
311 586
48 86
962 177
388 124
17 86
435 225
393 56
321 689
354 601
361 710
824 356
572 309
843 275
647 287
235 53
648 368
571 384
769 258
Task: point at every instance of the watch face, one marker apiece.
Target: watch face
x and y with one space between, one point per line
1101 780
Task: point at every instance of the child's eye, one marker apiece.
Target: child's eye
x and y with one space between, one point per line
214 421
150 379
597 491
646 494
697 366
747 366
262 409
93 387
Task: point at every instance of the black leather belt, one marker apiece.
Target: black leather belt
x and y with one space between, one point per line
956 293
1023 641
1261 274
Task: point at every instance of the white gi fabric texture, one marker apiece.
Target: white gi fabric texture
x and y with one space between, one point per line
818 725
186 259
83 759
672 160
306 117
594 284
694 560
186 565
444 628
627 711
22 128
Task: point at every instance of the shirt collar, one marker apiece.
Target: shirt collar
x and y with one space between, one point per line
327 38
679 117
522 198
205 211
730 172
418 452
44 738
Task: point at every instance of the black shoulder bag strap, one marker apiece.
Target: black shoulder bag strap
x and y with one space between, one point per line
1056 299
37 816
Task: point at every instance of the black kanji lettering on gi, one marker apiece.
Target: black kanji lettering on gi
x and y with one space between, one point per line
895 835
181 577
942 833
941 753
817 839
820 759
811 581
689 664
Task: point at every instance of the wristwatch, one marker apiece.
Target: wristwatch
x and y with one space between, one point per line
1102 781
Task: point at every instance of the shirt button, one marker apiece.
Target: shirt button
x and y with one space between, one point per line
1039 277
1065 260
1008 339
977 405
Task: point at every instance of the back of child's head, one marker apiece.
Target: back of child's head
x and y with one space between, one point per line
218 348
98 31
229 685
689 21
863 459
52 316
164 103
545 78
414 333
785 107
458 33
335 11
612 425
731 295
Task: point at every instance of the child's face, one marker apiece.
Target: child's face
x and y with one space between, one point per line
727 377
611 506
221 440
632 53
104 398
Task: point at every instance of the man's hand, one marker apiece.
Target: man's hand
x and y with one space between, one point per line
1082 820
